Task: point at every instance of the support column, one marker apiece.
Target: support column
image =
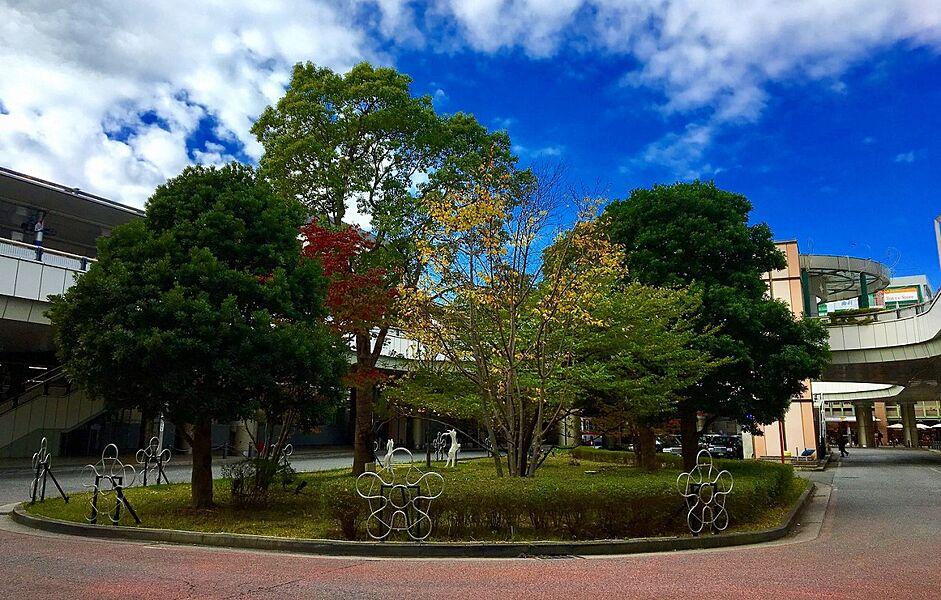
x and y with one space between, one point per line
863 291
908 424
182 445
883 422
809 308
418 434
864 425
244 432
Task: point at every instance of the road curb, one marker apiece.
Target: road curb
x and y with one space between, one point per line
415 550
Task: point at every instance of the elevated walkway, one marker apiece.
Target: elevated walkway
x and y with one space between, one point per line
894 347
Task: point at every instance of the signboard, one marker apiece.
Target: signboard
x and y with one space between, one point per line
850 304
904 294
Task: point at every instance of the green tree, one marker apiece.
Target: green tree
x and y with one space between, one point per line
361 140
696 235
636 356
498 308
203 310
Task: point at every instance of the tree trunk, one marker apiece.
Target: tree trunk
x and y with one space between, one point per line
646 448
497 461
689 437
202 464
362 441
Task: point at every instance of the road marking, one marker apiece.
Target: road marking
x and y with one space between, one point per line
938 471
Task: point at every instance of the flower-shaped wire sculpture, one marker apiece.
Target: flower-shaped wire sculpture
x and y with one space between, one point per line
439 445
705 490
152 459
399 501
111 476
42 466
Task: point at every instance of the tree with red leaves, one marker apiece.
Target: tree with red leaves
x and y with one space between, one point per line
360 140
360 299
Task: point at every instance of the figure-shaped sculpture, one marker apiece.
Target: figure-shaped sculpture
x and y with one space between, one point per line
399 500
453 450
284 457
705 489
387 459
42 465
111 476
152 459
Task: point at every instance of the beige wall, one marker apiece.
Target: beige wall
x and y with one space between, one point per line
785 285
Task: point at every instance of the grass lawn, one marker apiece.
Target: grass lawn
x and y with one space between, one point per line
567 499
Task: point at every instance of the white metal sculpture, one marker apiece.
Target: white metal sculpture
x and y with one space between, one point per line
284 456
42 466
152 459
110 476
453 450
705 490
390 449
399 497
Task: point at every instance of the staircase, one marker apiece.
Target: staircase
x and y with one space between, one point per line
47 408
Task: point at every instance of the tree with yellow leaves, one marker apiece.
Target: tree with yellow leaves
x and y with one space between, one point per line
505 289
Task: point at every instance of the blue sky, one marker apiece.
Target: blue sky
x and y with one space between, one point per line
826 115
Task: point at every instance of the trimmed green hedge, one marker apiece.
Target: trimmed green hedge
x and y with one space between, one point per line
622 457
565 501
597 498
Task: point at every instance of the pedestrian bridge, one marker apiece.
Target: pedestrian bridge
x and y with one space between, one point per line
894 347
898 349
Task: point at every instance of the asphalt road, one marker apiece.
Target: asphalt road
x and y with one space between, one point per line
872 532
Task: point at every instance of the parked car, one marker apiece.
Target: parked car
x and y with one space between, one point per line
591 439
724 445
672 445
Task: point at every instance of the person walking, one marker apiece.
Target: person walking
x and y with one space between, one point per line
841 443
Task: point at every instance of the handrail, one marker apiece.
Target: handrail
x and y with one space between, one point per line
890 314
24 251
34 391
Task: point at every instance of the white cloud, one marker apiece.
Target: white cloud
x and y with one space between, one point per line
77 78
491 25
683 154
551 150
905 157
719 54
503 122
439 98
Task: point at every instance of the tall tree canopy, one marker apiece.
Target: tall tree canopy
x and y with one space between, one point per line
204 310
502 297
636 356
696 235
360 141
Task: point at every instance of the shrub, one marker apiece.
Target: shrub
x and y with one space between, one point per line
622 457
252 478
595 501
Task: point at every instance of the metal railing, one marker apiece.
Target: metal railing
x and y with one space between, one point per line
39 386
46 256
883 316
